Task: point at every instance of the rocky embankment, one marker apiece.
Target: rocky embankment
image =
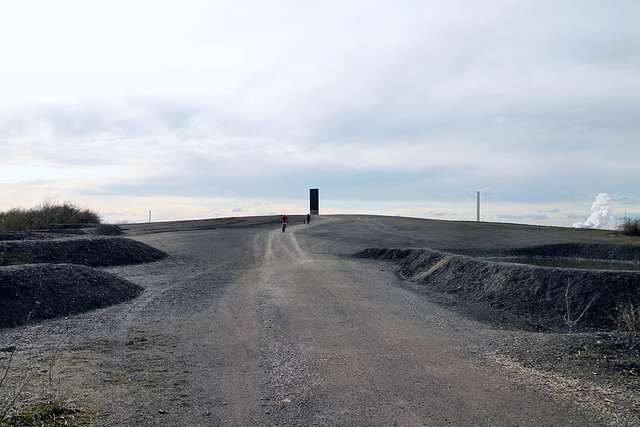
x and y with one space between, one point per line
529 296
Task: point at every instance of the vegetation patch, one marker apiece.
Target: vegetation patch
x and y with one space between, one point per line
628 315
16 256
48 413
30 387
630 227
47 215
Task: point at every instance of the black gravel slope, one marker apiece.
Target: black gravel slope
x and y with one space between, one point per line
48 275
92 252
43 291
530 297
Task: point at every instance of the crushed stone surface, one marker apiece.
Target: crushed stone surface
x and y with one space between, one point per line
245 325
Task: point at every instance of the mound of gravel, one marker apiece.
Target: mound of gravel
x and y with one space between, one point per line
534 298
43 276
93 252
42 291
63 230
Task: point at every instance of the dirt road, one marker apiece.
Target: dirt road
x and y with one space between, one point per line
323 340
246 325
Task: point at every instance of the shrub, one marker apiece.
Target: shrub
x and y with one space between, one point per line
630 227
46 215
14 219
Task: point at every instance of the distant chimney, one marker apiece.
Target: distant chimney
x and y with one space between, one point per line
478 207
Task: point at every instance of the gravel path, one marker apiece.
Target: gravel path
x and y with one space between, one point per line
243 324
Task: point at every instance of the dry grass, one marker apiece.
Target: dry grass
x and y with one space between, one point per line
628 316
29 388
568 317
45 414
46 215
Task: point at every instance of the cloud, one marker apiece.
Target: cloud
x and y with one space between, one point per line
573 216
443 214
518 218
376 101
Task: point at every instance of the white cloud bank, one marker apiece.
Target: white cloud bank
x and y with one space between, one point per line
416 104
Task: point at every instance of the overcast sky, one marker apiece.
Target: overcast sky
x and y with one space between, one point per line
198 109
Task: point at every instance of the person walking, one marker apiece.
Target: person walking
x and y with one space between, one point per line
308 219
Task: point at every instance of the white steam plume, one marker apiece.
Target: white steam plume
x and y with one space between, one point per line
601 213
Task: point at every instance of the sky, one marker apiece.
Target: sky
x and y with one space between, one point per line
204 109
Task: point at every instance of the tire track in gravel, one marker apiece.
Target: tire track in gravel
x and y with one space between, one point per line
266 368
337 342
158 290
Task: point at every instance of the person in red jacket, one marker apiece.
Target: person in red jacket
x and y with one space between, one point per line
284 220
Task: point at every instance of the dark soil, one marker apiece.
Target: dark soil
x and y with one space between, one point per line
48 274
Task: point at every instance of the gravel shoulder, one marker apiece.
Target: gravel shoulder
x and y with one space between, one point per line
242 324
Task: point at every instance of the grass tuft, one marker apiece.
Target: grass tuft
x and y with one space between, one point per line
46 413
628 316
46 215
